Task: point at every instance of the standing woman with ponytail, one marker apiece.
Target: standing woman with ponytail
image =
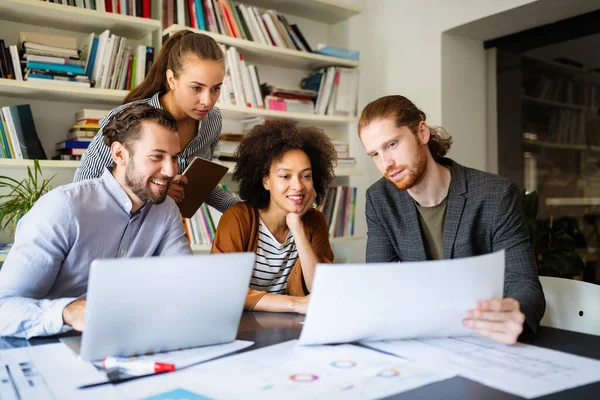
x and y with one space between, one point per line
185 80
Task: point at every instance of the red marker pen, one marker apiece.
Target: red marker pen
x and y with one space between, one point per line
139 366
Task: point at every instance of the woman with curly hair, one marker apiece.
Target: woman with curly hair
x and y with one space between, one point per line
282 170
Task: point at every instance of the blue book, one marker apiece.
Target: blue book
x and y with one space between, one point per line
73 69
72 144
339 53
200 15
3 142
92 59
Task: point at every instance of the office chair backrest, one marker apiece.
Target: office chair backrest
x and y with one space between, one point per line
571 305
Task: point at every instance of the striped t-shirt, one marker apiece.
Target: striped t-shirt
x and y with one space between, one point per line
97 156
274 261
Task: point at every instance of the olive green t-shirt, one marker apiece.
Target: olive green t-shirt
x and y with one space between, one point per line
432 221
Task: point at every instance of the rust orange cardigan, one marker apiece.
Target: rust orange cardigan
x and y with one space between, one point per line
238 232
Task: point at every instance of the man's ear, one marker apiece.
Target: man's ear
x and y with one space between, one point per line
424 132
170 79
119 153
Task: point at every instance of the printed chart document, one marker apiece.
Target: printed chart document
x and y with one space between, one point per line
289 371
49 371
353 302
522 369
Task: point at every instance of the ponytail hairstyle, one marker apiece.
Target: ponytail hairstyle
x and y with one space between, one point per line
171 56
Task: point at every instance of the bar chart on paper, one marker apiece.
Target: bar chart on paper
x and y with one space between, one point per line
289 371
48 372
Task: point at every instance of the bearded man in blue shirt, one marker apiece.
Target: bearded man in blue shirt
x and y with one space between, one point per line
124 213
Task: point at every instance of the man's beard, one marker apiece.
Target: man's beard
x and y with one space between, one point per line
411 175
141 187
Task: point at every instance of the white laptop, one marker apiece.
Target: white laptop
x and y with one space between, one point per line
147 305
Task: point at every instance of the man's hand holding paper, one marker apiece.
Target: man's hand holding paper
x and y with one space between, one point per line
498 319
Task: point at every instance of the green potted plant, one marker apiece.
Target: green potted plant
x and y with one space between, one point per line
555 250
18 197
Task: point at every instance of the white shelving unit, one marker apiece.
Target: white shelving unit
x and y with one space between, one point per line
59 16
54 164
58 92
328 11
53 104
276 56
205 248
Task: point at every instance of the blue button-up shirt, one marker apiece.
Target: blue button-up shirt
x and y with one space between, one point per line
55 242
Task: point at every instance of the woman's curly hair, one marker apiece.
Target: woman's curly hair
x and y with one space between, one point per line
267 143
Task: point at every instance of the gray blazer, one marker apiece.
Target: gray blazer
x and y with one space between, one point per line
483 215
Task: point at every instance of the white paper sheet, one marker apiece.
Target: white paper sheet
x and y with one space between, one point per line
522 369
187 357
289 371
353 302
49 371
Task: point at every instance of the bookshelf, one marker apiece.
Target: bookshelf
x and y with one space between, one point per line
275 56
543 102
63 164
205 248
58 92
328 11
54 105
59 16
51 91
557 126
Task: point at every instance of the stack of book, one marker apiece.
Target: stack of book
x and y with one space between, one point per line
239 21
296 100
241 84
137 8
52 59
80 135
228 144
339 208
19 138
343 154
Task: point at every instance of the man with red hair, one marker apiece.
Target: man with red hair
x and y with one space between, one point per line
428 207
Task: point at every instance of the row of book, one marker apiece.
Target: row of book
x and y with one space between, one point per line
336 89
135 8
330 91
112 64
18 136
240 21
561 126
241 84
563 89
201 228
104 62
339 208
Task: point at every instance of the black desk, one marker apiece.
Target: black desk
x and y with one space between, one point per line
266 329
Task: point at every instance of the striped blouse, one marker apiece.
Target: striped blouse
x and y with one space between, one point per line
274 261
97 156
